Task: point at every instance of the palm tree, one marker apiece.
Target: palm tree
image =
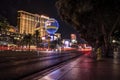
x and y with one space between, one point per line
27 40
37 37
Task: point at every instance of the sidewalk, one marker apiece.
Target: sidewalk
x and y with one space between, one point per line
85 68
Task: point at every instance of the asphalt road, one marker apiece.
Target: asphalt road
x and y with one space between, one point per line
17 67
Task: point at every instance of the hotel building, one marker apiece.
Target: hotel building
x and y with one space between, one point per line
28 23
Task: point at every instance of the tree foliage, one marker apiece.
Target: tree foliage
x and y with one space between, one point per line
4 24
95 20
92 18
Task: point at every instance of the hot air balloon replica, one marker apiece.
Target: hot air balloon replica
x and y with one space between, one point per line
51 26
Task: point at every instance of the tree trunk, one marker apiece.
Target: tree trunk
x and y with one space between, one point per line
107 47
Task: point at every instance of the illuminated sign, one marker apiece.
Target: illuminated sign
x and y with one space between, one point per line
51 26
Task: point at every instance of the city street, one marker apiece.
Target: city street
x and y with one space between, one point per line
20 65
85 68
60 40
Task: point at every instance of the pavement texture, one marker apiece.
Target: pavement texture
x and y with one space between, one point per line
85 68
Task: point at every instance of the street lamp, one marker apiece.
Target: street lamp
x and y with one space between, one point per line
114 41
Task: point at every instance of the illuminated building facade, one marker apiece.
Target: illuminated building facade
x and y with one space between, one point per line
28 23
58 35
73 38
12 29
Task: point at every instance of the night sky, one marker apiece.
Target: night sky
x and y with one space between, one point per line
9 8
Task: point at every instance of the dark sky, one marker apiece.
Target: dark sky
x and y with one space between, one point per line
9 8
